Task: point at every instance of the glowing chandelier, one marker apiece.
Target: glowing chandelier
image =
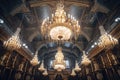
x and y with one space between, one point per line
59 63
41 68
77 68
35 61
106 40
73 72
85 60
13 42
61 26
45 73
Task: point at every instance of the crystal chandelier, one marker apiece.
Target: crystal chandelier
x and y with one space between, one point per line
77 68
35 61
85 60
73 73
45 73
106 40
41 68
59 63
13 42
60 26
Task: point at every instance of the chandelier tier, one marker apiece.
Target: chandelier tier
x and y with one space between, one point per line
60 24
59 63
106 40
13 42
85 60
35 61
41 68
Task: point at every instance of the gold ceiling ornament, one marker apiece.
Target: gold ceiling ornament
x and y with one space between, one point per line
41 68
59 62
85 60
35 61
13 43
77 68
73 72
45 73
60 26
106 40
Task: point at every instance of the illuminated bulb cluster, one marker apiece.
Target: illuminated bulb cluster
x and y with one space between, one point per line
35 61
106 40
60 19
13 42
85 60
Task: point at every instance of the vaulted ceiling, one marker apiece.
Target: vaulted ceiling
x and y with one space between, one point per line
90 13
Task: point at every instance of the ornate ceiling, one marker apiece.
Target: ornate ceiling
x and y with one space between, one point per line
33 12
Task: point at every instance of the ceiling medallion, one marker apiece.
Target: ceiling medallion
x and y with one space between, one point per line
59 62
13 42
106 40
66 25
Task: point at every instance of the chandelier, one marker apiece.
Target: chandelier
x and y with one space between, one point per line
59 63
73 72
13 42
85 60
35 61
45 73
77 67
41 68
60 26
106 40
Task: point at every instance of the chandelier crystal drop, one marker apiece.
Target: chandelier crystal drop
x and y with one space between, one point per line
73 73
35 61
59 24
106 40
85 60
59 62
45 73
13 42
77 68
41 68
